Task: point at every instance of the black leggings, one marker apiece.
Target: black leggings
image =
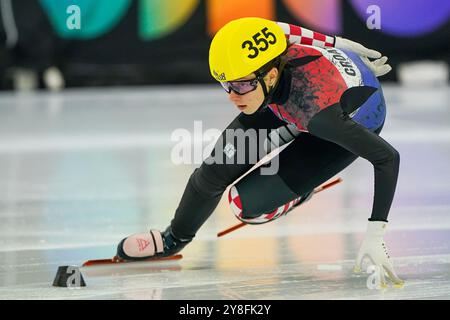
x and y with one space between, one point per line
303 165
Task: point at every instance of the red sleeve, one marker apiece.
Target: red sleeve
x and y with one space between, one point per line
300 35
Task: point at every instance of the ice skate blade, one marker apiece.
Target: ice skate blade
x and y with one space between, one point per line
116 260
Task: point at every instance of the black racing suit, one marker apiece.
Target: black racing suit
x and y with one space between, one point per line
329 124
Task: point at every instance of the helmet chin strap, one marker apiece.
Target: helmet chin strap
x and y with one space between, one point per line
264 87
267 93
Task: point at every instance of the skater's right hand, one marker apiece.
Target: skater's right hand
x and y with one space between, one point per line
346 44
374 248
378 66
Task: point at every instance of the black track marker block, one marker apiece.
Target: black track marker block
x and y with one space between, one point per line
69 276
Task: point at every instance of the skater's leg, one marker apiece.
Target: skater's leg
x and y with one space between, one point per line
304 165
207 184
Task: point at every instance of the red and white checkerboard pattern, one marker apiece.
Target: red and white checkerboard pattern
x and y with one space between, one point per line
236 206
300 35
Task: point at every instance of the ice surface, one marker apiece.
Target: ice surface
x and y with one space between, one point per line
84 168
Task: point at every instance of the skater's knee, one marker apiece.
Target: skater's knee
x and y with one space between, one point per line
257 198
238 207
207 182
235 201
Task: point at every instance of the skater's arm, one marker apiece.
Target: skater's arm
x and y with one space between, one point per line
300 35
334 125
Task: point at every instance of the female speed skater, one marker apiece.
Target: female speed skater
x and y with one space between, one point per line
318 93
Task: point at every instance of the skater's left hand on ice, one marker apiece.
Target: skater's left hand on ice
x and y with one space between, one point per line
374 248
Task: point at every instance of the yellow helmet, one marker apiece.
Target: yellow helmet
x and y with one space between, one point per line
243 46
